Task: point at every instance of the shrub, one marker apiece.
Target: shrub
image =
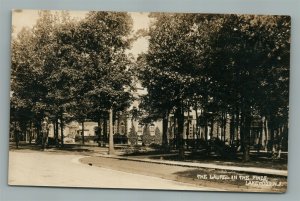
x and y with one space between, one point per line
132 137
157 136
147 139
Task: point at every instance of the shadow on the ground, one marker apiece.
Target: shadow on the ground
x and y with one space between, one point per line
66 147
257 159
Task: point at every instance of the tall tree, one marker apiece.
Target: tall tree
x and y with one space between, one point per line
242 65
102 40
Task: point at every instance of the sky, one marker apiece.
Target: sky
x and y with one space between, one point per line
28 18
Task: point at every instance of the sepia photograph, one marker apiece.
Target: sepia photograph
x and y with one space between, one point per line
149 100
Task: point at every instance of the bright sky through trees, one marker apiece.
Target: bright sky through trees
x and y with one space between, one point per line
28 18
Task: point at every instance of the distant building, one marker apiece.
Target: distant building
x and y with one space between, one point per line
124 122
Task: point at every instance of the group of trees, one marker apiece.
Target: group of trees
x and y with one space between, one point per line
70 69
227 68
232 68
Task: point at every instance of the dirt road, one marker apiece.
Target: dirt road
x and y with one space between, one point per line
37 168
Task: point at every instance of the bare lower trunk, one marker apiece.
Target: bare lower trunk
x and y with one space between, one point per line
196 125
224 126
165 130
266 130
272 145
206 130
99 139
82 131
280 139
111 137
56 132
30 132
246 136
180 133
16 133
175 136
105 137
231 129
211 129
187 129
62 131
284 131
245 124
237 127
224 133
39 134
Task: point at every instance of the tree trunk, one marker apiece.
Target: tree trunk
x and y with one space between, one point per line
246 121
38 129
218 130
242 131
16 133
272 139
180 133
99 133
111 149
283 131
258 140
187 128
237 126
261 135
165 130
105 134
175 131
212 129
196 125
30 132
225 125
206 129
56 132
222 126
82 131
231 129
266 128
62 131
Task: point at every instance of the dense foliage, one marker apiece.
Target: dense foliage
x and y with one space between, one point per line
228 69
70 69
226 66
